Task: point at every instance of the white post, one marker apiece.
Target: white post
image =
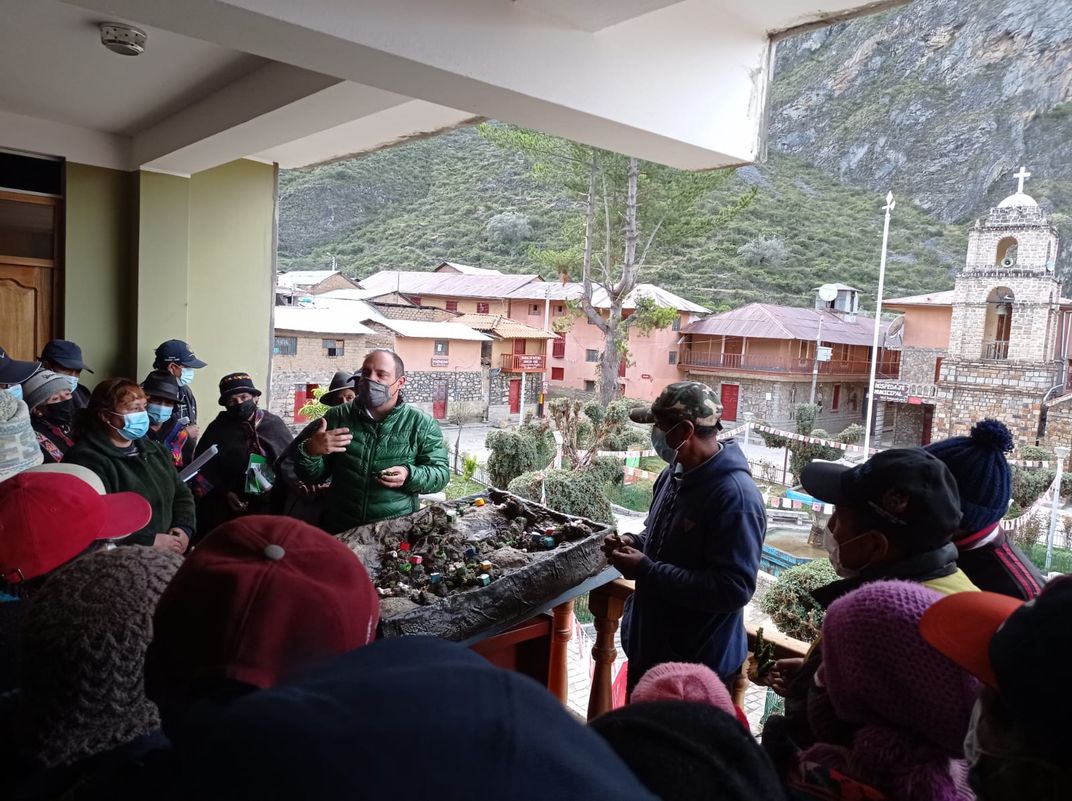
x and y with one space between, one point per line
815 364
521 411
1062 454
890 204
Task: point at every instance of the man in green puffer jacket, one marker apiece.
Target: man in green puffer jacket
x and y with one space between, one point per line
379 452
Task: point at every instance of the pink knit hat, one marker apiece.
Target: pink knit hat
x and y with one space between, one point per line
877 668
683 681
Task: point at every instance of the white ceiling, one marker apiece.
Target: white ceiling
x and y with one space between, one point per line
593 15
43 40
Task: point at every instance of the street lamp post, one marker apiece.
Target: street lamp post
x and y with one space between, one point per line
878 324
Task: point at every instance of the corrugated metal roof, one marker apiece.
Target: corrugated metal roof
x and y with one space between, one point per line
319 320
363 294
767 321
446 284
502 327
303 277
573 291
930 299
468 269
420 329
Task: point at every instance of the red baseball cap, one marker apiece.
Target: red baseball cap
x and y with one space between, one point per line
47 519
261 598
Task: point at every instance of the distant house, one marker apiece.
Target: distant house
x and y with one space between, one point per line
515 350
464 269
453 291
761 358
576 351
296 283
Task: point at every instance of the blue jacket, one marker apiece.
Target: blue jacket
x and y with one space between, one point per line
703 540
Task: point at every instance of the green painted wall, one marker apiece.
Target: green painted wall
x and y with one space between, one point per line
163 263
100 280
231 258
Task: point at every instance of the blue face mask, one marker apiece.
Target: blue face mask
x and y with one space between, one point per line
16 390
658 442
187 376
159 413
135 424
72 382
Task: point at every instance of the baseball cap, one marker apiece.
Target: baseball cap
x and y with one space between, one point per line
76 470
65 354
235 383
906 490
175 351
684 400
260 598
1008 644
14 371
161 384
48 519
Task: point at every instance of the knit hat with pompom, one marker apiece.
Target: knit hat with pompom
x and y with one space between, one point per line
82 657
684 681
983 477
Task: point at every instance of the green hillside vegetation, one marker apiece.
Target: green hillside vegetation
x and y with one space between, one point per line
414 205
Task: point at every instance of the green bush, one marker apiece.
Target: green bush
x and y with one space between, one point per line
771 440
789 601
1033 453
543 438
851 434
805 415
469 466
572 492
512 453
632 496
1028 483
628 437
607 469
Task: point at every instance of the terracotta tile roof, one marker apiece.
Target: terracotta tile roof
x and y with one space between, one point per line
574 290
767 321
502 327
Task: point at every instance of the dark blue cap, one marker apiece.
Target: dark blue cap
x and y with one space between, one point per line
175 351
65 354
13 371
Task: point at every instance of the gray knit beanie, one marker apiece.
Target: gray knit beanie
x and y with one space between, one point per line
41 386
82 658
18 442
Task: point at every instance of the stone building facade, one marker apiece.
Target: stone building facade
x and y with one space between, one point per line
301 359
1006 354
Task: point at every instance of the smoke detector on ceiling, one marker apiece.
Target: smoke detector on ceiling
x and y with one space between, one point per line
126 40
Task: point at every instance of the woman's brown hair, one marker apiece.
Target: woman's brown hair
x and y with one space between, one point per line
107 395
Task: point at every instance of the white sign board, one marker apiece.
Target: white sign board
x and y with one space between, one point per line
824 354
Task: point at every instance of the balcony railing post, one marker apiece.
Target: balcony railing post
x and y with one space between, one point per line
561 632
607 604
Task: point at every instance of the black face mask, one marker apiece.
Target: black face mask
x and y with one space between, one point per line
242 411
59 414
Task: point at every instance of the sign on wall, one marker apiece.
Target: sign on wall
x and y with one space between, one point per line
440 361
824 354
529 361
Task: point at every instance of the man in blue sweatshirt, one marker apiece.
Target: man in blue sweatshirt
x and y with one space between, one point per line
696 561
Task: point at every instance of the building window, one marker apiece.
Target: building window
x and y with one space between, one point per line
452 305
558 373
560 309
937 369
589 386
534 309
415 300
677 324
482 308
558 348
591 355
333 348
285 346
835 402
442 347
672 356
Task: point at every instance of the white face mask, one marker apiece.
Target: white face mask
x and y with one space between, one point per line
833 550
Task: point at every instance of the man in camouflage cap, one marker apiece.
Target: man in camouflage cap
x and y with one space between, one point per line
696 561
685 400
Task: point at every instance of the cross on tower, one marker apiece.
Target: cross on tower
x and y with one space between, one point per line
1021 177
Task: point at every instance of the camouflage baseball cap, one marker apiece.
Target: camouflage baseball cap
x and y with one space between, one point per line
685 400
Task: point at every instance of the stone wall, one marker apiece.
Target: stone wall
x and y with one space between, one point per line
462 387
908 422
310 365
917 364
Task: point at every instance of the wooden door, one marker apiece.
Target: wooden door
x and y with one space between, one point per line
730 394
519 347
439 400
30 278
928 425
515 396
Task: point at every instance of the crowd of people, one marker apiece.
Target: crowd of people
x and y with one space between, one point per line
173 626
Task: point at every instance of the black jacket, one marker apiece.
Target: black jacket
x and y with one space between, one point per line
187 405
54 440
995 564
81 396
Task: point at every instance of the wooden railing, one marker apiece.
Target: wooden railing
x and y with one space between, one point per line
689 358
523 362
607 604
997 349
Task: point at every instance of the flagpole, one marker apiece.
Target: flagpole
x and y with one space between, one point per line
890 204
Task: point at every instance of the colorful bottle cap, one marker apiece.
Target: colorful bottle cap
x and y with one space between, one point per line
549 531
435 578
403 546
416 559
484 579
479 502
485 566
470 552
405 568
548 542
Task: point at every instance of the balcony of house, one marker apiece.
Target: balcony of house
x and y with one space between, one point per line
693 360
523 362
996 350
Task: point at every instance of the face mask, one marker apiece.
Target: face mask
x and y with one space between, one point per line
658 442
186 377
159 413
241 411
135 424
16 391
72 382
373 394
833 550
60 413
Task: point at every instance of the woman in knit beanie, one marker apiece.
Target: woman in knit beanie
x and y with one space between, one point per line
911 704
82 709
686 681
984 479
